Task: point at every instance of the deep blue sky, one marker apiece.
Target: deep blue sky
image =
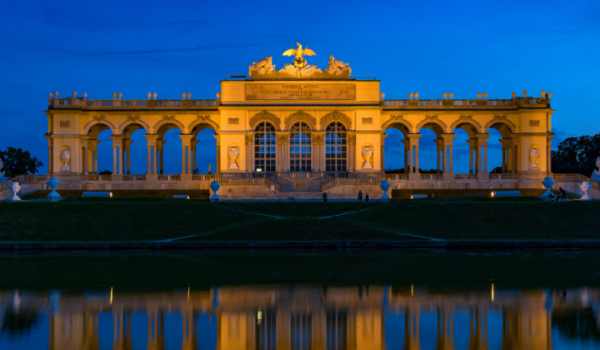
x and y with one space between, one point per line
171 47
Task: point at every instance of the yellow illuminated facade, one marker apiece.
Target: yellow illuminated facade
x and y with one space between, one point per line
301 129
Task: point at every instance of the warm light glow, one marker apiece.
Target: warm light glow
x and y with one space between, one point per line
411 290
492 194
188 293
111 295
259 316
492 292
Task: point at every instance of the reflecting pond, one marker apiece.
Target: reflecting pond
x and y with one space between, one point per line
300 300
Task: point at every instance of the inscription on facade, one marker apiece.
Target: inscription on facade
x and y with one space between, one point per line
534 123
234 120
368 120
298 91
65 124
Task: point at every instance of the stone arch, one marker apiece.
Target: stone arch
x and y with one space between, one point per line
267 116
474 126
131 121
336 116
397 120
201 123
300 116
503 125
432 120
169 120
101 122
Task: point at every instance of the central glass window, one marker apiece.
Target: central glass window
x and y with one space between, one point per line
300 140
264 147
336 146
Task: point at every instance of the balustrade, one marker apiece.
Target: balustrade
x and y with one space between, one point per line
148 104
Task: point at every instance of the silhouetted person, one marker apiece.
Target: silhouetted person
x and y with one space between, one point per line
324 197
367 197
563 193
359 195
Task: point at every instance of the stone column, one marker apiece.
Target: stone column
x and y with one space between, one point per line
439 147
472 148
218 171
127 148
152 143
117 143
250 152
160 147
506 158
483 141
351 152
186 149
449 142
548 155
406 155
414 147
382 154
194 154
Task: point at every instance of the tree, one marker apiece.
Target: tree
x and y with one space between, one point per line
576 155
18 162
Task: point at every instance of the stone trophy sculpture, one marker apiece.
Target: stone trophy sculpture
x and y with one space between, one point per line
53 184
65 155
367 152
534 156
595 173
234 153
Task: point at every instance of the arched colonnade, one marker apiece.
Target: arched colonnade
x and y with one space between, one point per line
478 136
155 135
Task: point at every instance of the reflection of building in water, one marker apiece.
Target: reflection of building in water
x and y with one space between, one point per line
300 318
265 318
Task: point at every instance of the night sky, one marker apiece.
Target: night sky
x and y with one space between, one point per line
428 47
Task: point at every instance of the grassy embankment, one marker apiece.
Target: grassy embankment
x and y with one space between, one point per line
146 219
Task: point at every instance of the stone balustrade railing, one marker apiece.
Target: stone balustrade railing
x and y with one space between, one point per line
525 102
248 181
350 181
71 103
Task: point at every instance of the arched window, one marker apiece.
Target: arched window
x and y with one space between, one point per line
336 146
264 147
300 147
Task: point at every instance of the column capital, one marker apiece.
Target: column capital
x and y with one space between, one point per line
151 137
448 139
186 139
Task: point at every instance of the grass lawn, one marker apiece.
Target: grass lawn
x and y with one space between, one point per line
147 219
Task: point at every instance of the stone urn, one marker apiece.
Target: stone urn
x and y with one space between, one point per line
14 188
385 186
214 186
53 184
585 187
548 183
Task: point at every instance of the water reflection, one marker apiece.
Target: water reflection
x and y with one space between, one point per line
300 301
302 317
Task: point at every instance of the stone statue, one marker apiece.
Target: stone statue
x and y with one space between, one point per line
65 155
264 66
299 61
585 187
234 153
534 156
337 66
595 173
367 152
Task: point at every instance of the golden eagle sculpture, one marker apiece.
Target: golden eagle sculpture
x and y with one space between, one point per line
299 61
